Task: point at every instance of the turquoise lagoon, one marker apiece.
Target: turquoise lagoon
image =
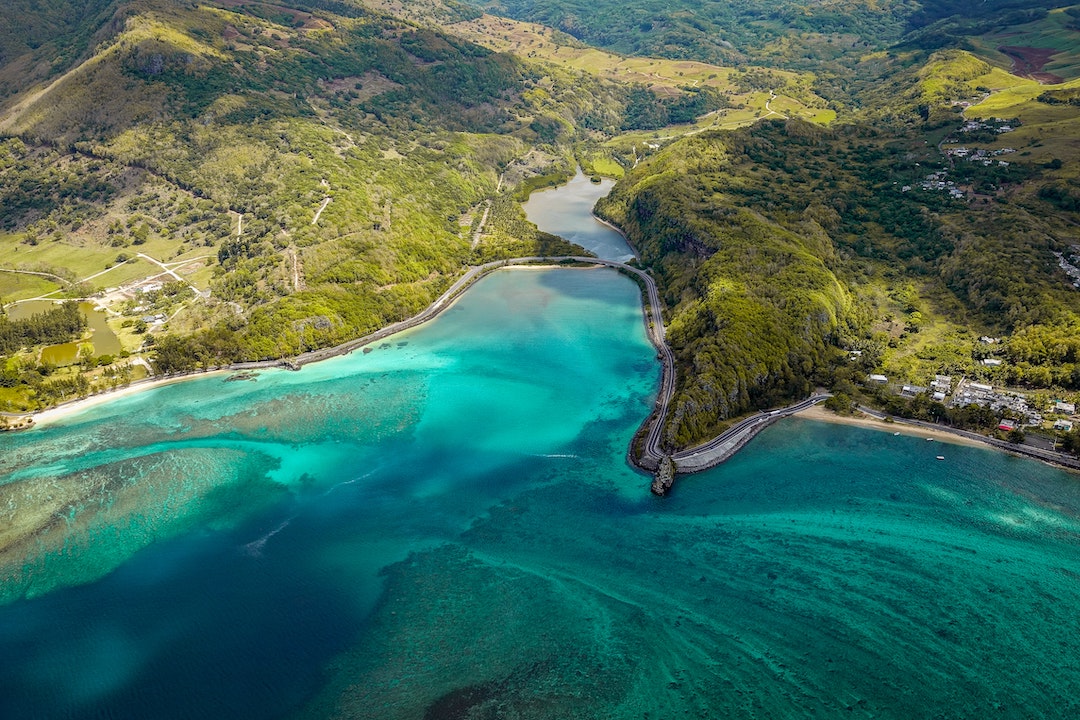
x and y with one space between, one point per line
446 527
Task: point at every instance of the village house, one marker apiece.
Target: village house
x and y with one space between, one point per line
911 390
1006 403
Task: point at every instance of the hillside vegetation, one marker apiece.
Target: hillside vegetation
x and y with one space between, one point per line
314 176
781 245
840 43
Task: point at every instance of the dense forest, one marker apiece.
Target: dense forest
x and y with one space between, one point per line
771 241
53 326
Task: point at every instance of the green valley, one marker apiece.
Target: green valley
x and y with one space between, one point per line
821 192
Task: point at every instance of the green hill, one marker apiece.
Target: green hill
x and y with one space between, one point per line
315 175
784 246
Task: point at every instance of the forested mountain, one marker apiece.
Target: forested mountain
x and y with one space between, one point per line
834 40
780 244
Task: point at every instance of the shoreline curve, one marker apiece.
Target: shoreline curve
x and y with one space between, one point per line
651 317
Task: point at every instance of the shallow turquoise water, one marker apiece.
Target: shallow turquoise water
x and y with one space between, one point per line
446 528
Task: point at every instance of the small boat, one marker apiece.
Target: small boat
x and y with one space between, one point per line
929 439
940 457
895 434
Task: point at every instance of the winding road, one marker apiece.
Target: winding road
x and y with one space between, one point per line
720 448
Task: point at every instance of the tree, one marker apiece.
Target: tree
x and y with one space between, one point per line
173 353
840 403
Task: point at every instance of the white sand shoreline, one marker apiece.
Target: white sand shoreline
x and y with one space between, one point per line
59 412
872 423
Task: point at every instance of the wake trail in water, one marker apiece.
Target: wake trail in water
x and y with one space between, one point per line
255 547
355 480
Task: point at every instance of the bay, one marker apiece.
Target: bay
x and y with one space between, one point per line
446 527
225 539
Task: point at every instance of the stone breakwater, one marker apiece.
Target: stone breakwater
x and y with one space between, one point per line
713 452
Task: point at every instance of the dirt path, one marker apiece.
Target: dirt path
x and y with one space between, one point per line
318 213
171 273
294 259
480 228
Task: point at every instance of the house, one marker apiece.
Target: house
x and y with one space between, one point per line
1007 425
911 390
942 383
1065 425
1064 407
980 387
939 396
991 362
878 379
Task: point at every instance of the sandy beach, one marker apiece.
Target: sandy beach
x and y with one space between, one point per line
817 412
58 412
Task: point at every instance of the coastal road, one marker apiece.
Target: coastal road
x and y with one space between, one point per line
727 443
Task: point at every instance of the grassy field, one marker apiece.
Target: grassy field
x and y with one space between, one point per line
16 286
600 162
1047 131
91 263
664 77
